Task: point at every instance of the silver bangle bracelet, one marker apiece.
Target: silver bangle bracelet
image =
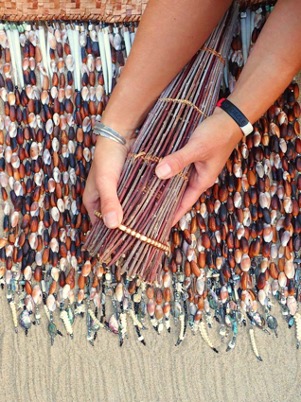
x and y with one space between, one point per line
107 132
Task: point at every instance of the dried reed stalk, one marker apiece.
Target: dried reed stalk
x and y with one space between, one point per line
149 204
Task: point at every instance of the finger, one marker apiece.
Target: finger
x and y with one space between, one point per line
176 162
110 160
191 195
189 199
91 196
91 204
109 203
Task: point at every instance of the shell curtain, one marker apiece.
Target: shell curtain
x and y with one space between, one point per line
236 254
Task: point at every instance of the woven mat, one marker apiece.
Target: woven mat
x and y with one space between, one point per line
98 10
101 10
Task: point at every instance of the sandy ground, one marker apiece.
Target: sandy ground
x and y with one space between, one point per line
73 370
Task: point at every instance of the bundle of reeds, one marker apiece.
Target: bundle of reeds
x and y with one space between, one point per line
149 203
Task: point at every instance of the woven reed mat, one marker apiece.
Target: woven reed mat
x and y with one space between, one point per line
99 10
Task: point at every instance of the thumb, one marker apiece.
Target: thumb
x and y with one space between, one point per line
109 204
176 162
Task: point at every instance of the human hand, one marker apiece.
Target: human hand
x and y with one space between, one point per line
101 187
208 148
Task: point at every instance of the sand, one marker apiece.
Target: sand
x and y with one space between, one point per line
72 370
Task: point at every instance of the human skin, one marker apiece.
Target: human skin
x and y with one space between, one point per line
169 34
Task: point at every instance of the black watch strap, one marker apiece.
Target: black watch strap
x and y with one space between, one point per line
233 111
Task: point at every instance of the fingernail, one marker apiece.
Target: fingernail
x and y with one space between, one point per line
163 171
111 220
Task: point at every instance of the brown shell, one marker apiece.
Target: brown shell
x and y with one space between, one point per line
167 294
70 279
202 259
81 281
53 288
38 274
28 288
195 269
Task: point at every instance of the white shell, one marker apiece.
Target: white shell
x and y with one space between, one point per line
237 200
60 205
56 119
55 272
72 176
69 62
54 245
14 219
49 126
51 303
57 175
63 264
51 185
27 273
245 263
46 157
74 209
183 224
55 214
85 90
15 161
54 92
264 200
55 144
33 241
66 290
262 297
282 279
65 177
289 269
267 233
29 304
87 154
18 188
38 178
217 205
200 285
37 294
8 154
41 228
71 296
191 254
167 279
288 205
62 235
285 238
119 292
73 262
38 258
292 304
247 220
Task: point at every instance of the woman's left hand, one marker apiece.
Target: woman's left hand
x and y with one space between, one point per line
208 149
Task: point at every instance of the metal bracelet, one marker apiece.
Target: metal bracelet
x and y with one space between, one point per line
108 132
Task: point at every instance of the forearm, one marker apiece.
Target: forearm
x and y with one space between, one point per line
169 34
273 62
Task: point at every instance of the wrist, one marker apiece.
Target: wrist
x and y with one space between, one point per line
123 113
126 130
228 124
